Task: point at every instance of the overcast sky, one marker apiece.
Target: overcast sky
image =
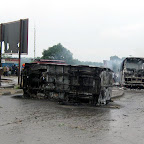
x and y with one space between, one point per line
93 30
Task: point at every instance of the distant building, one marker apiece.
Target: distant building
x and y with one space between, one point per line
10 61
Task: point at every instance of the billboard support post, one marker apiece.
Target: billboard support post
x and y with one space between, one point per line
1 53
20 45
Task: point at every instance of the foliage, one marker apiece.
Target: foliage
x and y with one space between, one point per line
114 58
58 52
77 62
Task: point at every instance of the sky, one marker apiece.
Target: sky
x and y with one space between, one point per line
93 30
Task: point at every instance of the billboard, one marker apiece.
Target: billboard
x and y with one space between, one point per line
14 35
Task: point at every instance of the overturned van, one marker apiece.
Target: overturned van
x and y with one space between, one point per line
67 83
132 72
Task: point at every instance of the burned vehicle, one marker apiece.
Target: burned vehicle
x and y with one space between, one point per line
67 83
132 72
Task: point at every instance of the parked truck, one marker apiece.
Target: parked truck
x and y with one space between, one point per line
67 83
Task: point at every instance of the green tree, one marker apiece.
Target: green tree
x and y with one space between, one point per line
58 52
116 58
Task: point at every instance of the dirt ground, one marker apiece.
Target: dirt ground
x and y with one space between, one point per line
27 121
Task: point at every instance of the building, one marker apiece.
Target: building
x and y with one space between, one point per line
9 62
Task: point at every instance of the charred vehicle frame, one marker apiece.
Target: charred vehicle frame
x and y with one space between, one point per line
132 72
67 83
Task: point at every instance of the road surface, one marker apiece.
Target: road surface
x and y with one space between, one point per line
29 121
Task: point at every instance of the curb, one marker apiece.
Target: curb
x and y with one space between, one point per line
10 86
9 93
118 96
6 93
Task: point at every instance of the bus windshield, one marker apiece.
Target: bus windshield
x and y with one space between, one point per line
134 64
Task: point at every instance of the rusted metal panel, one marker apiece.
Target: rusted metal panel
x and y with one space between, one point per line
68 83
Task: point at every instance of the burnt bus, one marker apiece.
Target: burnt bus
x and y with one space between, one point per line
132 72
67 83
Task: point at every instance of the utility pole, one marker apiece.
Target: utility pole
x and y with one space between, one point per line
34 42
1 52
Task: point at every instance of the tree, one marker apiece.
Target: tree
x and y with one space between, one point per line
116 58
58 52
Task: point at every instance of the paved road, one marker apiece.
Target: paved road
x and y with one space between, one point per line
27 121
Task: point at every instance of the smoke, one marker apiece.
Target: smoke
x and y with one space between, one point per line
114 64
